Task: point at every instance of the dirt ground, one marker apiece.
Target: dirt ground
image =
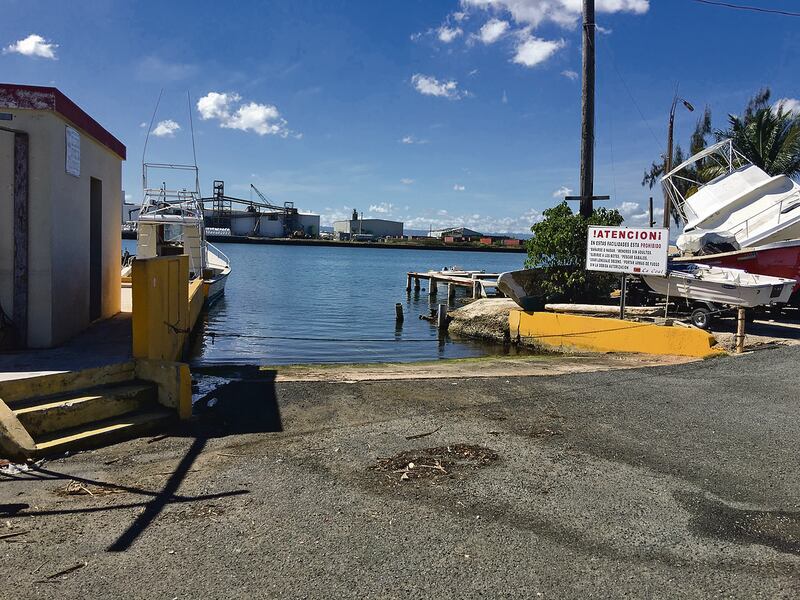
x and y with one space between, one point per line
659 482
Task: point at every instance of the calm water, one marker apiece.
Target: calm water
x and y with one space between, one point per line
303 304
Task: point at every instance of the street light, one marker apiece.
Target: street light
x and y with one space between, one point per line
668 158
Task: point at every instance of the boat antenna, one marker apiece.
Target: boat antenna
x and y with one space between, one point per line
194 150
147 139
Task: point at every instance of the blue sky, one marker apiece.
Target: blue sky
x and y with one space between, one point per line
436 113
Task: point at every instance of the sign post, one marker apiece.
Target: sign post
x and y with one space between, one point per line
627 250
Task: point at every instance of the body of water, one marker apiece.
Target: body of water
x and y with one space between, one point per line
306 304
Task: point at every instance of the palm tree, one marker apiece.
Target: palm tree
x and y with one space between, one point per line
769 136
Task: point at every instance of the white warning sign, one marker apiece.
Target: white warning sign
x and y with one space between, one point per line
627 250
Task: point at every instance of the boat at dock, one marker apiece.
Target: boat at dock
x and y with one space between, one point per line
171 222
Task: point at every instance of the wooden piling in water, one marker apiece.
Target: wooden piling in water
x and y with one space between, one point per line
441 317
408 282
451 291
398 312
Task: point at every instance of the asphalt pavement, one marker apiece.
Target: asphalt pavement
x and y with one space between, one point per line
664 482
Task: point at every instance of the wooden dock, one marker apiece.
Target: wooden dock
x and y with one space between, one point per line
477 281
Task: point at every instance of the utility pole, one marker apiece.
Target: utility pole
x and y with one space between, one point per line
668 158
587 196
587 111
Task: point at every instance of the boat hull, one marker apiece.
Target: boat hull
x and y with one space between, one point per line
781 259
524 288
677 284
215 286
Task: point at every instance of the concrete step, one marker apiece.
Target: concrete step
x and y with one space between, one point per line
102 433
48 415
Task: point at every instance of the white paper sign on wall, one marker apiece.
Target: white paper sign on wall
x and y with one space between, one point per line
73 152
627 250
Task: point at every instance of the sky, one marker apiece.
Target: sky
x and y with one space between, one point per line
437 113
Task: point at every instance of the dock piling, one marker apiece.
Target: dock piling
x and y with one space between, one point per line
408 282
441 317
398 312
451 291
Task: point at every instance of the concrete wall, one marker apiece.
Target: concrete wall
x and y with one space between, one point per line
166 306
59 220
575 332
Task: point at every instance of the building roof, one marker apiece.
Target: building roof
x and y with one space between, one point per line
462 231
35 97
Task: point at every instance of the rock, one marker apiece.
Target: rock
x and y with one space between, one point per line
484 319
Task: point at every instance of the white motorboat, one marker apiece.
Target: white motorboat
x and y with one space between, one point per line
740 207
718 285
171 222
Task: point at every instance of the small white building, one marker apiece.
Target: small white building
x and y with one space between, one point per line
60 204
377 228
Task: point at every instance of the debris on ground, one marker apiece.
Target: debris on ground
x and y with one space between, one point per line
79 488
9 468
422 435
80 565
432 463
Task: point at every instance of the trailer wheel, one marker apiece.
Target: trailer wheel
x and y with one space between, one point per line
701 317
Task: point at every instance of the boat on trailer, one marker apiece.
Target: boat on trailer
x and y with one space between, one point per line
722 286
171 222
742 218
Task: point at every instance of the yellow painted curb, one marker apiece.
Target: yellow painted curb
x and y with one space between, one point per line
574 332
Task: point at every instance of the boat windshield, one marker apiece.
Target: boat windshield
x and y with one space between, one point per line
705 168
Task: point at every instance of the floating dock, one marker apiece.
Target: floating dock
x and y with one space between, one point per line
477 281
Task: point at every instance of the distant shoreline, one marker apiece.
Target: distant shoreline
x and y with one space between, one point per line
233 239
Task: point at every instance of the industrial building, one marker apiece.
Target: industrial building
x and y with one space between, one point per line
361 228
257 218
60 205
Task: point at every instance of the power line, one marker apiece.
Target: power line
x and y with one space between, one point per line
773 11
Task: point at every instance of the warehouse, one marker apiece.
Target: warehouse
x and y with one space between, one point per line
361 228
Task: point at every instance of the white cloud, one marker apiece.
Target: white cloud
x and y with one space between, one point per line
787 105
410 139
562 191
155 68
448 34
441 219
571 75
263 119
565 13
33 45
459 188
430 86
406 181
603 30
166 128
504 98
532 51
473 72
493 30
383 208
637 216
142 124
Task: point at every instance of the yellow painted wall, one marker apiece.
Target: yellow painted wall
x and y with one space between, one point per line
574 332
